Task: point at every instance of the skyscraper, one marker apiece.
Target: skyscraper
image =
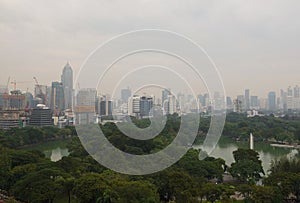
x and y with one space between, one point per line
146 104
296 91
164 96
247 99
254 102
67 82
272 101
125 94
57 97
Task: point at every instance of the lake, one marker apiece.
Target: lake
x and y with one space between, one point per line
267 153
54 150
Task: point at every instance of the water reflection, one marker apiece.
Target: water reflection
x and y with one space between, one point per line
267 153
56 154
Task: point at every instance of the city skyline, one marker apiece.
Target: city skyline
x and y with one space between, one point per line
250 51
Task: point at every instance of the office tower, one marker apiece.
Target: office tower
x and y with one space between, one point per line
67 82
84 110
241 98
296 99
283 100
125 94
289 102
146 104
57 103
170 105
229 102
41 116
289 91
272 101
165 94
247 99
104 107
237 106
135 105
86 97
296 92
254 102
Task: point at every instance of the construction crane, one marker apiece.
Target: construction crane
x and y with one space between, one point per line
19 82
41 91
6 89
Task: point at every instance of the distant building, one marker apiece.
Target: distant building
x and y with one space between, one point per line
140 106
229 102
164 96
57 97
29 100
84 115
10 119
254 102
86 97
125 94
67 82
146 104
169 104
13 101
44 93
272 101
247 99
104 106
41 116
237 106
289 91
136 105
296 91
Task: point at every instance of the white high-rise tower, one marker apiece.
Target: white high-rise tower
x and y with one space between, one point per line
67 82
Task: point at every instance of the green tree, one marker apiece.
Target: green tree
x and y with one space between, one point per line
247 166
40 186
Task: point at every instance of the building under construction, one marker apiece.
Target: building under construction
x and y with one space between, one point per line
10 119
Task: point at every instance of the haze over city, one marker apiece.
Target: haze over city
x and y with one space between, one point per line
254 44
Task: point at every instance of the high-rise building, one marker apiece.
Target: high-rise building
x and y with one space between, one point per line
283 100
10 119
170 105
146 104
57 97
41 116
67 82
254 102
165 94
272 101
289 91
86 97
104 106
237 106
247 99
241 98
125 94
296 91
140 106
13 101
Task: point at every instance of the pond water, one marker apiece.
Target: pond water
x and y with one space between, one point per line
267 153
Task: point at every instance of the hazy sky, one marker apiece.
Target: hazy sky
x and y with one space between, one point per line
255 44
